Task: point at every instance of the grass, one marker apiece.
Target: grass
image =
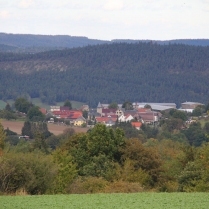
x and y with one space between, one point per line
2 104
38 102
109 201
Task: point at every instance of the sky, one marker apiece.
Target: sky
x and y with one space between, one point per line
108 19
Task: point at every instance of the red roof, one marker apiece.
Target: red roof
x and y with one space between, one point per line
109 111
43 110
144 110
70 114
105 119
136 124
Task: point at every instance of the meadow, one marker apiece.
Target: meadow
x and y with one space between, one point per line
109 201
39 103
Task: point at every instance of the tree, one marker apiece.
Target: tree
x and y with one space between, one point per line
85 114
199 110
195 134
22 105
26 129
180 115
30 171
68 104
173 124
2 138
66 170
8 107
7 114
145 158
34 114
97 151
113 105
31 129
147 106
127 105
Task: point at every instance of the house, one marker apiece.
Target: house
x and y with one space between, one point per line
84 108
64 108
120 111
108 121
79 121
125 118
131 112
67 114
105 106
155 106
108 111
54 108
101 106
137 125
189 106
149 117
93 113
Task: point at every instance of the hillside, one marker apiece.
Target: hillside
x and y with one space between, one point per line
29 43
145 72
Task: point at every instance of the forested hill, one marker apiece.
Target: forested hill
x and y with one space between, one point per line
143 72
29 43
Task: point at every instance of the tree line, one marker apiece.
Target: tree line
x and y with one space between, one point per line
165 158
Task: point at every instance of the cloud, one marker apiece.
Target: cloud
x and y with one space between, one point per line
4 14
114 5
25 3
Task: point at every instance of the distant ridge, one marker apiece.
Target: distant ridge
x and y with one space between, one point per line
38 43
192 42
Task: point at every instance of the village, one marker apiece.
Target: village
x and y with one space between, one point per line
137 114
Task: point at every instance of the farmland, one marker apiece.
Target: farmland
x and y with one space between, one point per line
107 201
16 126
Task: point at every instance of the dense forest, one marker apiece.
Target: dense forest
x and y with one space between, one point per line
143 72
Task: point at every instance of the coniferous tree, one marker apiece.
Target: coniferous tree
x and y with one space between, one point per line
2 138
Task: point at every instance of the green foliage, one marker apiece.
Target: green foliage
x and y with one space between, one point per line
113 105
22 105
195 134
31 172
68 104
172 125
149 131
2 138
31 129
8 107
34 114
198 111
126 68
129 130
127 105
85 114
96 152
179 115
145 158
66 171
8 115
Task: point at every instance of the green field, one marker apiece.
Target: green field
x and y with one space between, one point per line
37 102
109 201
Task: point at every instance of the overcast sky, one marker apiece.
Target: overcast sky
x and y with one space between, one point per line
107 19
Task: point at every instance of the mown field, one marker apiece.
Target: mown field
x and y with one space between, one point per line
16 126
109 201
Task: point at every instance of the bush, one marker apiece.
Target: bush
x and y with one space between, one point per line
87 185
